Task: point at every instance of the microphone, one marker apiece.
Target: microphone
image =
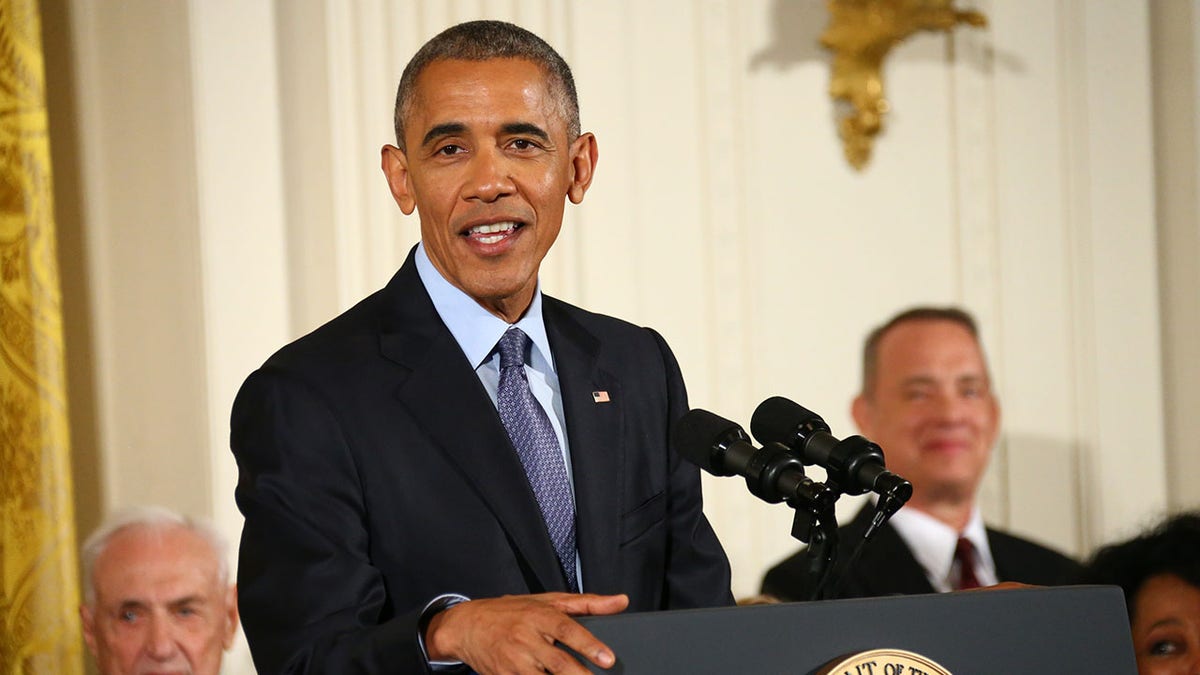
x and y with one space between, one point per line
855 465
723 448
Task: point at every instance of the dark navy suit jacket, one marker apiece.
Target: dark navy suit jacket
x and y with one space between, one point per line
375 474
888 567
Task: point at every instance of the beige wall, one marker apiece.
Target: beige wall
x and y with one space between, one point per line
1177 144
216 166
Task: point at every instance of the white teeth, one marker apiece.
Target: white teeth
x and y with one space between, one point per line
489 240
492 229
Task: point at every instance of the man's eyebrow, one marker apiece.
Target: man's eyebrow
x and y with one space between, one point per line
187 600
447 129
510 129
195 597
525 128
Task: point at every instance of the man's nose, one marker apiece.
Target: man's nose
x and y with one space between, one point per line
489 177
951 407
160 639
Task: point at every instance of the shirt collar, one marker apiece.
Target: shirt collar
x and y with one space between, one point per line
475 329
976 533
933 542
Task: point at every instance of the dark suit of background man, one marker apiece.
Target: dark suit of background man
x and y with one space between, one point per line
927 401
376 475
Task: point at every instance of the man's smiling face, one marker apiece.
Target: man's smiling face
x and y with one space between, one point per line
488 168
932 410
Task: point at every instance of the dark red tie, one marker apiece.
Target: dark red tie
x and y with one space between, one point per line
964 555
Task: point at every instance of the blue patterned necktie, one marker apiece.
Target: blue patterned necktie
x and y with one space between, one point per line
537 446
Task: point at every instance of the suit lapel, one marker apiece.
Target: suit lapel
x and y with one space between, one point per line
1008 567
446 399
887 565
594 433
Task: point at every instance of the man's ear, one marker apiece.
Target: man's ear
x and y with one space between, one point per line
994 404
232 608
394 163
861 410
89 628
584 155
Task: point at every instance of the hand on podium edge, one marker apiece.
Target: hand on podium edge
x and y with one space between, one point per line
1002 586
516 633
760 599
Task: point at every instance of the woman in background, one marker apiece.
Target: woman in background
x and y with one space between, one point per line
1160 574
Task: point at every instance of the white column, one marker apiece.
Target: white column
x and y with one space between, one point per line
242 220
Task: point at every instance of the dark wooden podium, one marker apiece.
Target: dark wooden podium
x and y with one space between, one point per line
1074 629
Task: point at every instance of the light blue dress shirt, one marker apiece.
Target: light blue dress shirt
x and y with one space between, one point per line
477 331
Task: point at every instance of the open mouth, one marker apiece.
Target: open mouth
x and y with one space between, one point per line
493 233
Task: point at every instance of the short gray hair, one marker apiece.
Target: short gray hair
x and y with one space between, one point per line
155 518
483 41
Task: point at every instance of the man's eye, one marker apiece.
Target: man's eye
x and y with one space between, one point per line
128 616
524 144
449 150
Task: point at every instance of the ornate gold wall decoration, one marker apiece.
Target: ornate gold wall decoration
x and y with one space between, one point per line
860 34
39 592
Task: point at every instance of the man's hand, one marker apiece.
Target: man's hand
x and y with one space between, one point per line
516 633
1002 586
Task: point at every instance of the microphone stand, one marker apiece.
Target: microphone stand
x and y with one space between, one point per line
889 503
815 524
774 474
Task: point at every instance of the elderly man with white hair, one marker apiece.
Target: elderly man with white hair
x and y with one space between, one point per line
157 596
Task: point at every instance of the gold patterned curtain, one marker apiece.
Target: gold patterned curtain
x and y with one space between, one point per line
39 592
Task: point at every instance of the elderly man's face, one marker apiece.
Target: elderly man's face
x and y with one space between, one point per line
160 605
932 409
488 168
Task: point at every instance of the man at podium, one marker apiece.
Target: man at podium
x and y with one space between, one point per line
444 475
926 399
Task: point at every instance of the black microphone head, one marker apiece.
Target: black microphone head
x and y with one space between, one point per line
701 437
779 420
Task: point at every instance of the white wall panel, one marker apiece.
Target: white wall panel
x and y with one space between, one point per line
1122 274
1176 29
241 211
1032 355
142 236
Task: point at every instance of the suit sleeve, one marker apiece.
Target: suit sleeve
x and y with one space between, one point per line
309 597
698 572
789 580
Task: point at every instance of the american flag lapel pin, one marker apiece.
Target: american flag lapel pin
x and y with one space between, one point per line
600 397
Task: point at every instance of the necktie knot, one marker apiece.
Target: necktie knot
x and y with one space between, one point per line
512 346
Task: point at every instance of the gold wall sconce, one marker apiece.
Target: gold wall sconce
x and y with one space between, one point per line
860 34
